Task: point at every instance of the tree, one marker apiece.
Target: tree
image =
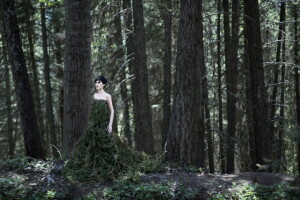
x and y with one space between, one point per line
30 130
120 56
77 72
185 143
56 19
297 84
280 155
231 63
220 104
276 74
140 94
9 124
207 120
129 59
167 20
258 91
49 104
28 8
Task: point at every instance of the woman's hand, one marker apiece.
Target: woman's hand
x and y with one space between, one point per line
109 129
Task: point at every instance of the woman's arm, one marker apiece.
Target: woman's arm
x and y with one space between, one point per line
112 112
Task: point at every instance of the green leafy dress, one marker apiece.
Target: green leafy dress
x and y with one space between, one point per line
98 155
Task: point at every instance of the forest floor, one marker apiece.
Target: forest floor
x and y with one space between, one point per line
205 184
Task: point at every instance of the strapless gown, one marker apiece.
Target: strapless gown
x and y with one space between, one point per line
98 155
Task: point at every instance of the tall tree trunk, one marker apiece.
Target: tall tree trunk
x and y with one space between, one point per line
49 104
232 74
229 152
207 123
206 110
58 54
141 104
249 114
280 155
231 62
33 67
185 143
297 84
77 72
258 91
129 59
124 92
276 72
30 130
220 106
167 20
9 123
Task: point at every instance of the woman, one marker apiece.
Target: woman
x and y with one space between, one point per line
97 155
100 94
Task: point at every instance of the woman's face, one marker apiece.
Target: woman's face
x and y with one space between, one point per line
99 85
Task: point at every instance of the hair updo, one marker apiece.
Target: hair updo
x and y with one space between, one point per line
102 79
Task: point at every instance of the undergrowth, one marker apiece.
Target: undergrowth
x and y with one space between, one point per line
146 191
248 191
14 188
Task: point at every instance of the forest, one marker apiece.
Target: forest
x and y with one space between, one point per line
206 92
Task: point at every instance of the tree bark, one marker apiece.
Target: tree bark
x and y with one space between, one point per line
249 114
220 104
258 91
185 143
280 155
231 63
207 123
297 84
141 104
129 59
120 55
35 80
30 130
9 123
77 72
49 103
58 54
276 72
167 22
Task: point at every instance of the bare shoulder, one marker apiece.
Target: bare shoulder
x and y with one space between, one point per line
108 96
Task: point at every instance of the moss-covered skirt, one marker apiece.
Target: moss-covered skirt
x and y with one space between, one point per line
98 155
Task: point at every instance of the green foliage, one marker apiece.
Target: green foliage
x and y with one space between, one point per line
51 2
255 191
11 188
100 156
14 188
22 163
90 196
148 191
15 163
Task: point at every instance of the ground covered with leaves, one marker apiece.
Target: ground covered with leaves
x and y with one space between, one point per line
21 178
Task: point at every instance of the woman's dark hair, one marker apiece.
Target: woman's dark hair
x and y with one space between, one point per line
102 79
